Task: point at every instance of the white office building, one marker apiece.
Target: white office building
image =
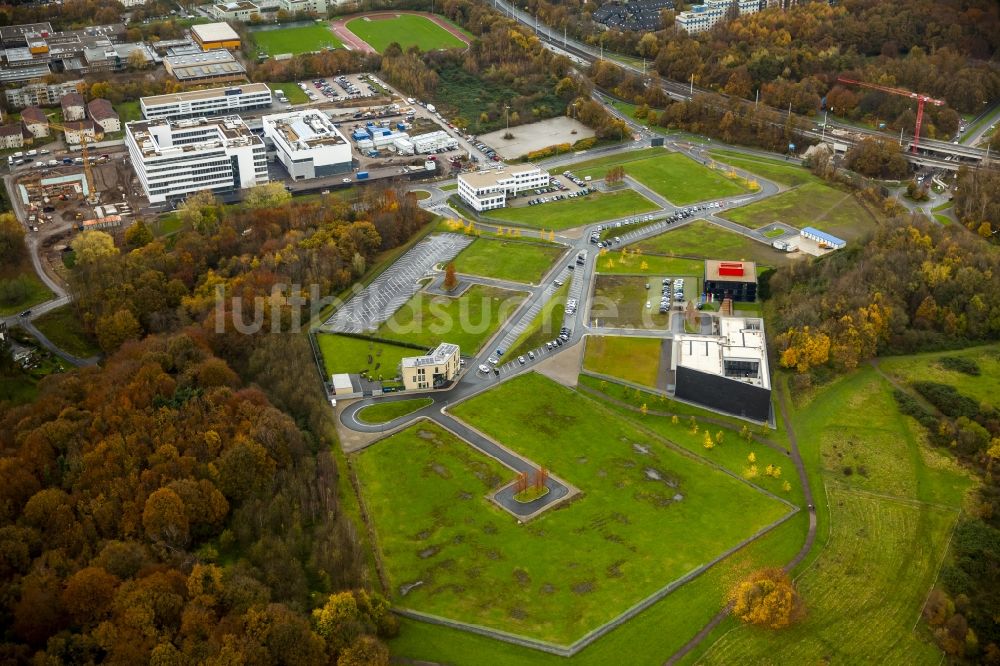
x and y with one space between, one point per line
308 144
210 102
702 17
175 158
486 190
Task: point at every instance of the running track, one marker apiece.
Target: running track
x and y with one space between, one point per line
339 28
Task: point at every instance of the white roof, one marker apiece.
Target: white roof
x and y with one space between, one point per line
341 381
215 32
739 339
436 357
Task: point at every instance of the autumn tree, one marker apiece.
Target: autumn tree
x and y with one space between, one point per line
113 330
93 246
450 280
138 234
12 248
164 518
267 195
803 349
767 598
615 175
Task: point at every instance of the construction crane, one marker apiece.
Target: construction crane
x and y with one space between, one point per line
88 173
921 99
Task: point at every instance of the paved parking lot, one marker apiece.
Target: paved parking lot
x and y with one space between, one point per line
336 88
390 290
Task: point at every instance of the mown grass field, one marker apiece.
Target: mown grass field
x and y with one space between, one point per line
620 301
812 204
406 30
570 213
383 412
616 262
708 241
630 358
64 329
355 355
517 261
20 288
888 523
300 39
467 321
778 171
674 176
480 566
292 91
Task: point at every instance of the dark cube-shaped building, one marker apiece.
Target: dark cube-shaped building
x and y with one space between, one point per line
731 279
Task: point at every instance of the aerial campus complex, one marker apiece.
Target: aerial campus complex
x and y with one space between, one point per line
340 335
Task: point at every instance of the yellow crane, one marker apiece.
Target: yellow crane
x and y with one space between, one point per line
88 173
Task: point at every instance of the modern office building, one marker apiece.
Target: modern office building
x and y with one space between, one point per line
486 190
32 52
726 371
432 370
175 158
234 11
205 67
209 102
731 279
41 94
215 36
703 17
308 144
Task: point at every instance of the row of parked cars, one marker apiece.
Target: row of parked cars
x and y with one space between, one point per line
563 338
678 293
558 197
582 182
486 150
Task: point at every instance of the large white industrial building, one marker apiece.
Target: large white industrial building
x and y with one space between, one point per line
210 102
486 190
702 17
175 158
308 144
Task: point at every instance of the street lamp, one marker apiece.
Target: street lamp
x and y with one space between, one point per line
506 112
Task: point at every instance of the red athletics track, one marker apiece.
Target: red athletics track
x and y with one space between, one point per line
339 28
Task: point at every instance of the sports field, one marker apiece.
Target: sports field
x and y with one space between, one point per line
633 359
467 321
570 213
301 39
674 176
813 204
518 261
708 241
406 30
570 569
342 353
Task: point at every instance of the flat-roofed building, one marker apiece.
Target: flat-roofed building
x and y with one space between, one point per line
433 370
215 36
486 190
209 102
234 11
41 94
726 371
731 279
175 158
703 17
308 144
824 240
307 6
205 66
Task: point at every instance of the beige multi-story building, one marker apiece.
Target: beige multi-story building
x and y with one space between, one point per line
41 94
431 370
35 121
76 131
701 18
103 113
11 136
73 107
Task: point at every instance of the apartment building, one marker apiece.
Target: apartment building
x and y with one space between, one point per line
35 121
175 158
41 94
703 17
103 114
486 190
210 102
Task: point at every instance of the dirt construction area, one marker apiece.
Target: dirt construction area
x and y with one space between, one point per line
536 136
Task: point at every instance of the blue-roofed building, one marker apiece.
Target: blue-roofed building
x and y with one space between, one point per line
822 238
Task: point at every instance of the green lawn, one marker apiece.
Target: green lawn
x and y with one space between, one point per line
518 261
885 528
292 91
703 239
467 321
813 204
633 359
674 176
300 39
20 288
545 326
778 171
355 355
570 213
943 219
620 301
569 570
616 263
406 30
383 412
128 111
927 368
63 328
602 164
449 187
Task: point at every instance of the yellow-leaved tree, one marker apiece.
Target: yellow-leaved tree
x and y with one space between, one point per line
767 598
